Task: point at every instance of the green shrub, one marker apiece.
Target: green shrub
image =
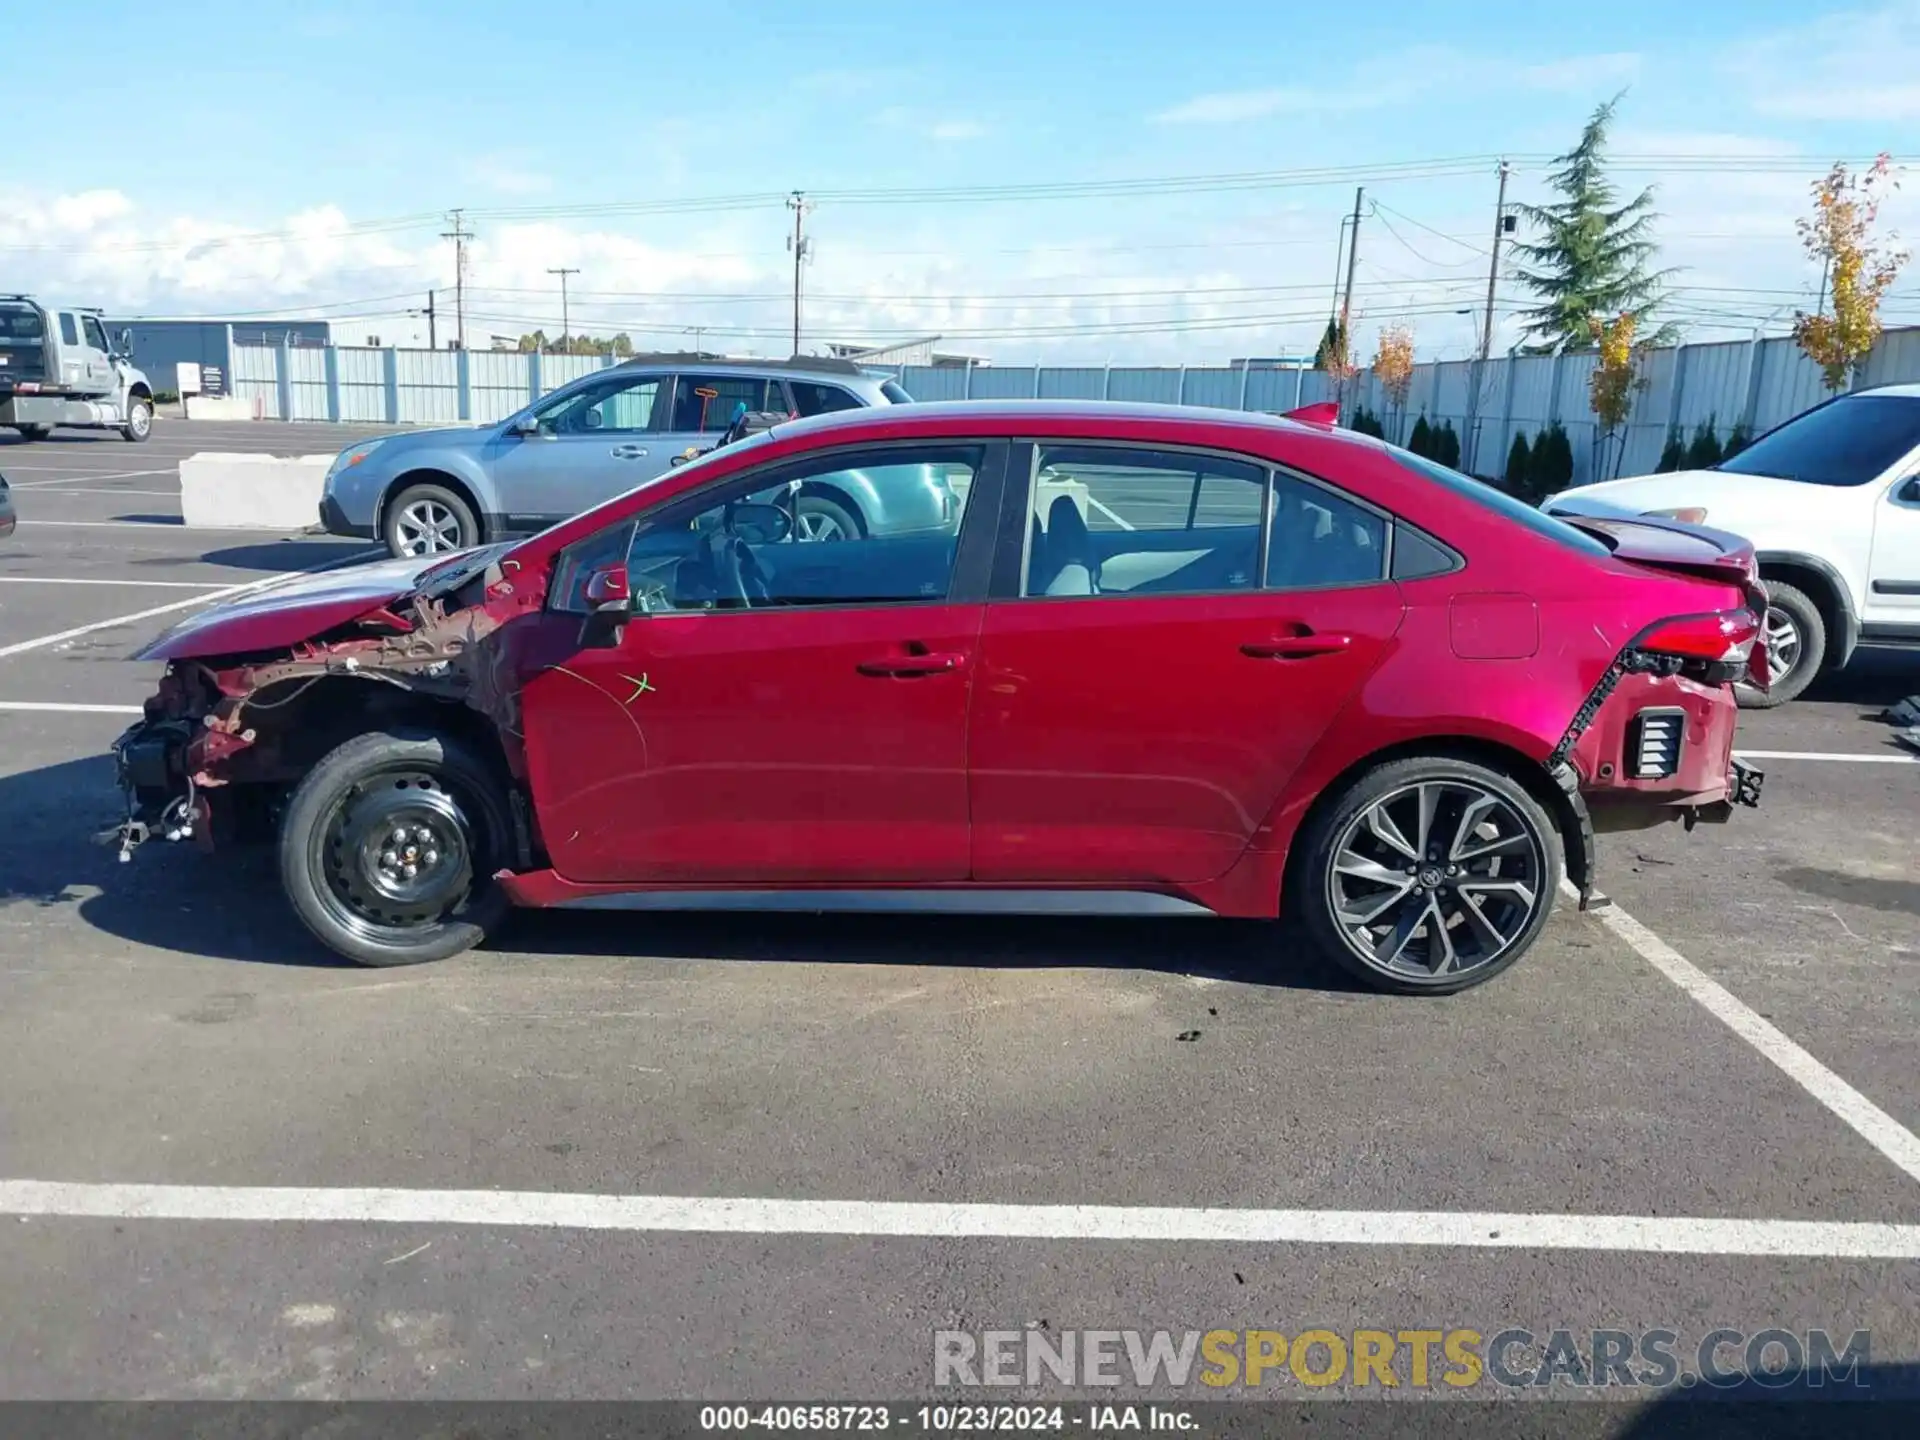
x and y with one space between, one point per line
1446 446
1552 469
1519 462
1673 456
1704 451
1737 441
1420 442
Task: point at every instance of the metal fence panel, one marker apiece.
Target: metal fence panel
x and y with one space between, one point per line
363 385
1144 386
307 387
256 377
497 383
429 387
1081 383
935 382
558 370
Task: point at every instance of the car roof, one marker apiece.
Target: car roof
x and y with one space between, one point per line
1908 390
975 416
799 365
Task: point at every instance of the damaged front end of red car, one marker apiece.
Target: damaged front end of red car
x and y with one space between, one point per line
257 690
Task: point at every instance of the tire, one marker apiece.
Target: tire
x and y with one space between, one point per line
823 518
429 520
34 432
139 424
1789 610
353 896
1526 859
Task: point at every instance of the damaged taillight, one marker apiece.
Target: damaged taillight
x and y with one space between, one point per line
1722 647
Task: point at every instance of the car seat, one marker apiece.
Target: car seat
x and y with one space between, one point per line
1075 569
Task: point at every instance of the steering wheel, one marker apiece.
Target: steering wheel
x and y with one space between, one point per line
737 571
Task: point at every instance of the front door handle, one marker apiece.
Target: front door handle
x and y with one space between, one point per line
629 452
1296 647
911 665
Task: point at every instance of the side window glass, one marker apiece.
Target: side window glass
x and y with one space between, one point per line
1118 521
1319 538
810 397
706 403
96 337
619 407
69 335
893 523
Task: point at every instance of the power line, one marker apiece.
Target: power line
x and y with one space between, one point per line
459 234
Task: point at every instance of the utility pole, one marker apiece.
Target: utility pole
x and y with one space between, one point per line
433 338
1501 221
460 235
799 244
563 271
1493 268
1353 259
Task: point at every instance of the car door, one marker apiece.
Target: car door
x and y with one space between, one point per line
1169 634
581 445
96 355
813 734
1893 587
704 405
73 358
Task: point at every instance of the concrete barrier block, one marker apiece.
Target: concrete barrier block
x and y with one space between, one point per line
225 407
265 492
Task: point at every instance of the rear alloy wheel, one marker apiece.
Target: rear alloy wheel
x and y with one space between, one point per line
139 419
1796 648
1428 876
430 520
820 517
389 846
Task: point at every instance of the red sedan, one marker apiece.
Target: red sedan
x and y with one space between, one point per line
1156 659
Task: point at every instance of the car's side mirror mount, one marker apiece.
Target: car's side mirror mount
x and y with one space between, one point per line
1909 491
609 598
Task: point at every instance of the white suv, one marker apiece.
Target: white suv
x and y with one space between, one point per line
1831 502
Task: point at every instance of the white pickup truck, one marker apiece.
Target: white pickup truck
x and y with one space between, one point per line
1831 502
57 367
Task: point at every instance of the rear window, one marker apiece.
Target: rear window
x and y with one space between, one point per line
895 394
1849 441
21 325
1501 503
811 397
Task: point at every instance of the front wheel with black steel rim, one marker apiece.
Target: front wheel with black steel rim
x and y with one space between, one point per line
389 845
34 432
139 419
1796 648
1427 876
430 520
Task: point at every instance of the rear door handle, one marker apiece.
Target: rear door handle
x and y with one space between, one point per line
910 665
1296 647
629 452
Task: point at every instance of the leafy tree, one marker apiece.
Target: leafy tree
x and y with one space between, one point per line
1519 461
1393 364
1674 455
1420 442
1704 451
1840 236
1610 386
1592 252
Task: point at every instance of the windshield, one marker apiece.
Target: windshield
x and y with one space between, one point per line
1849 441
21 325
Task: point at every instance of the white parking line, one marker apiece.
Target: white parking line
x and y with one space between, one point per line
57 707
1645 1234
1108 512
88 475
1828 755
84 490
187 604
73 580
35 520
1869 1121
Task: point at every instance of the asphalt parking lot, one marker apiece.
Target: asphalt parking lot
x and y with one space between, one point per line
1726 1055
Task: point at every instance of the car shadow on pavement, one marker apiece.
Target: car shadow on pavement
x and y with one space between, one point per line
1898 897
281 555
1873 679
229 906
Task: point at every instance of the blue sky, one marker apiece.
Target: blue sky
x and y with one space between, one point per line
277 156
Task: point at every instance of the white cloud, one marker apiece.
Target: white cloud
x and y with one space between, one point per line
1861 65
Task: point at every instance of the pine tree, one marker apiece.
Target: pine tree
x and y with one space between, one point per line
1421 441
1446 446
1592 253
1705 452
1673 456
1331 344
1518 459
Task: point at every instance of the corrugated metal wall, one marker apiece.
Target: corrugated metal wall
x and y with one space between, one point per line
1726 384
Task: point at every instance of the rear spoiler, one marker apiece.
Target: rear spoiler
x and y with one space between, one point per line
1325 413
